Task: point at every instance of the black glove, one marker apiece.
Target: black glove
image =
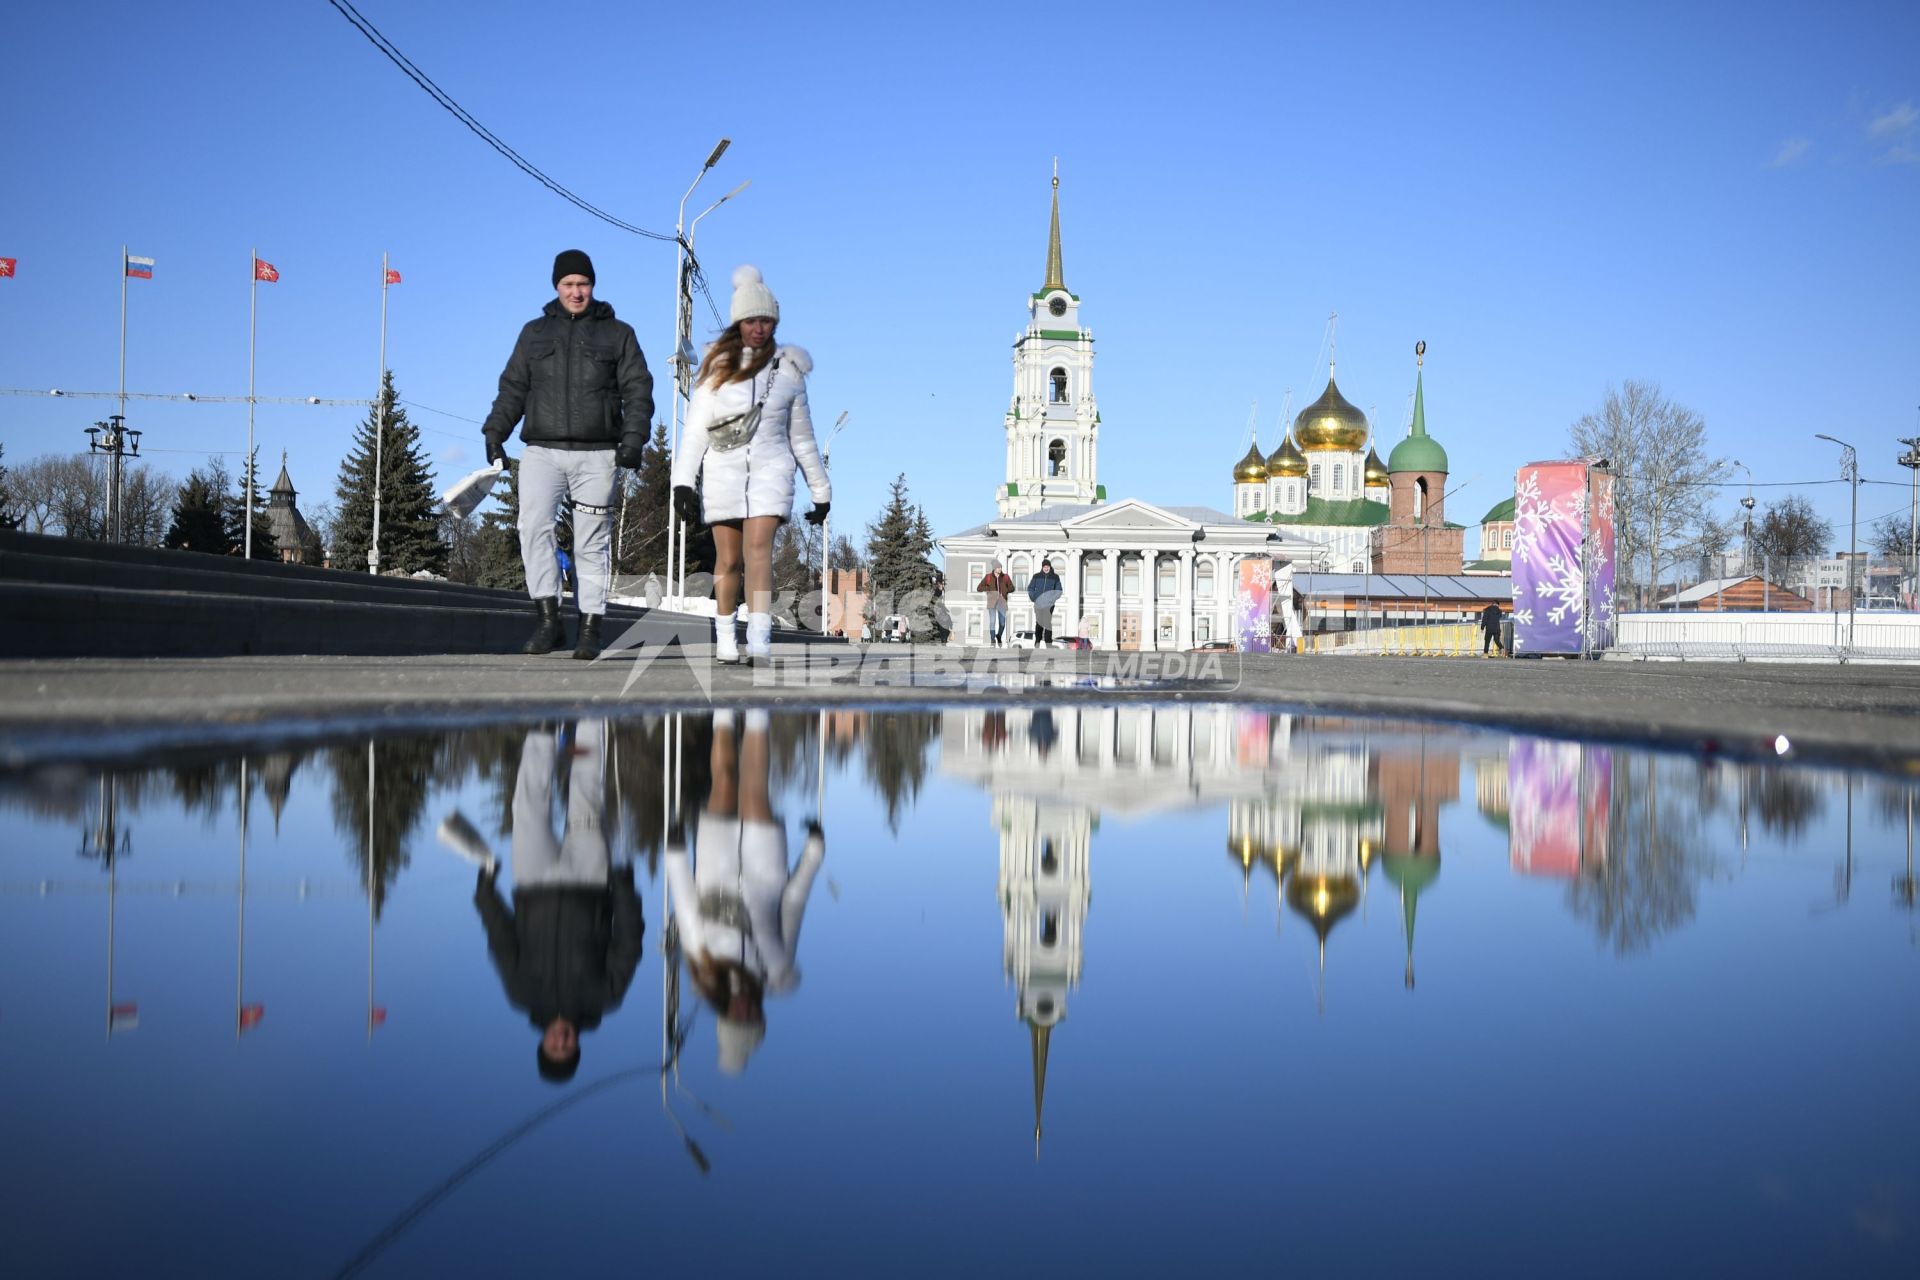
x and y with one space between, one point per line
496 451
819 512
629 452
686 504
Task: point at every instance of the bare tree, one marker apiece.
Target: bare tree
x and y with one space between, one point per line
1789 529
1663 478
62 494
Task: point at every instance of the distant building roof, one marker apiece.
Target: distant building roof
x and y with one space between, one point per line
1403 586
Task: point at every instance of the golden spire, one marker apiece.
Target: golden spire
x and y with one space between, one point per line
1054 277
1040 1037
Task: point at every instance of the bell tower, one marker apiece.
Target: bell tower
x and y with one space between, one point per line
1053 423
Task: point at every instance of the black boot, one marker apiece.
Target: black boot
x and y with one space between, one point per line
589 646
547 633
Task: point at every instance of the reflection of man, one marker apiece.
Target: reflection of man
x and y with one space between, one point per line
567 949
739 907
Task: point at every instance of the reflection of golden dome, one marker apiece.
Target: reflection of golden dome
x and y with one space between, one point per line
1251 469
1376 470
1331 423
1287 460
1323 900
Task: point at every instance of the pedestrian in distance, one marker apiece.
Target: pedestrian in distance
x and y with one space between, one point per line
1490 630
748 429
1044 590
996 586
578 388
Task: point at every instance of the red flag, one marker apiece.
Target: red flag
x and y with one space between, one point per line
393 277
7 266
250 1015
377 1018
265 271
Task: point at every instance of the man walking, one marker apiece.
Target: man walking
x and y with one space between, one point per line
578 378
997 586
1490 629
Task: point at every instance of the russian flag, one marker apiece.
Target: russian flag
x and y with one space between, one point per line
140 268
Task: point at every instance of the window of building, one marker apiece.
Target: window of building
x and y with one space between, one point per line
1339 479
1057 458
1057 386
1167 579
1130 576
976 574
1203 579
1313 478
1506 540
1096 575
1203 625
1019 572
973 626
1420 499
1258 501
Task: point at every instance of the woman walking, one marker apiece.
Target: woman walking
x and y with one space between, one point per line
1044 590
747 429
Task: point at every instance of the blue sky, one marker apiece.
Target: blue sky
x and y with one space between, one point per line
1717 197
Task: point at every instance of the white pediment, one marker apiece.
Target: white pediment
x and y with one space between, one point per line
1128 513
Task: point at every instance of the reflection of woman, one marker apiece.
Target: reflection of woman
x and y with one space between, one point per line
746 476
739 907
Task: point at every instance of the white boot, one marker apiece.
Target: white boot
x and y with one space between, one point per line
726 647
759 636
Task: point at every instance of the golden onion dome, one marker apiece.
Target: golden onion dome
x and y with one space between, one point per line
1287 460
1376 469
1331 424
1251 469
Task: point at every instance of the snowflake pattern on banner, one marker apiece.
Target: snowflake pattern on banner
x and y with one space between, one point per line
1562 556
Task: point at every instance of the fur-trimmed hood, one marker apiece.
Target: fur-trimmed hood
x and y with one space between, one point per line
798 358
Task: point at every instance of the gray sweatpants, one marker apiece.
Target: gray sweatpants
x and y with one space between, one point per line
546 477
580 856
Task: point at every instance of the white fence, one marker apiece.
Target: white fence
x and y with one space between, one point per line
1875 636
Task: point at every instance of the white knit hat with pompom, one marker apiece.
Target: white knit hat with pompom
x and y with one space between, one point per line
751 297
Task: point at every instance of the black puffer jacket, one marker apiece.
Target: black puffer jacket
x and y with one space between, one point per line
564 952
580 381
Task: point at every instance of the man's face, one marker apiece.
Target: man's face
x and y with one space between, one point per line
562 1038
576 291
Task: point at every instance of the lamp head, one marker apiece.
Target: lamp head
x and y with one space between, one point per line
719 149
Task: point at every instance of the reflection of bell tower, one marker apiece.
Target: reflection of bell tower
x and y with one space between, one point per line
1413 786
1044 891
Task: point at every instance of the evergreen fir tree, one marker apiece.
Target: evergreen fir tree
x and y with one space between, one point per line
409 517
900 577
235 511
648 499
200 512
497 554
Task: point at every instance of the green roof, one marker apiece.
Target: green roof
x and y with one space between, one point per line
1351 512
1099 493
1419 451
1487 566
1499 511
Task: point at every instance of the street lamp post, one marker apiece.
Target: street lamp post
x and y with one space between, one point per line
1746 505
683 363
116 441
1911 461
1850 464
826 532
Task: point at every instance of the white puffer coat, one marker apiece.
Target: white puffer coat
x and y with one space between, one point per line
757 478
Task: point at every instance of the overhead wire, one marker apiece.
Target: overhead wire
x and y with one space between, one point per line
465 117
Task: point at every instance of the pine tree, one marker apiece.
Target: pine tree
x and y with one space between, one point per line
646 501
200 512
235 512
9 518
900 577
409 517
497 551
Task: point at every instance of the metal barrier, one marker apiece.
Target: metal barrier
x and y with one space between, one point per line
1876 636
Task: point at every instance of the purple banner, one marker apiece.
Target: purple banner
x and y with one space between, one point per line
1562 557
1253 606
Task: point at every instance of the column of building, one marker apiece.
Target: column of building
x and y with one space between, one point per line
1149 600
1110 613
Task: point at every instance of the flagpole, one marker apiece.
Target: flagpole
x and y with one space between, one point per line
113 526
253 313
380 422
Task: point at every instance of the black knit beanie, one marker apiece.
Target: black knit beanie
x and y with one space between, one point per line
572 262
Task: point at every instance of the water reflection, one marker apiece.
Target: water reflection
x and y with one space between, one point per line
491 886
737 905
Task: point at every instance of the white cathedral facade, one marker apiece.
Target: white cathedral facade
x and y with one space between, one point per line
1135 575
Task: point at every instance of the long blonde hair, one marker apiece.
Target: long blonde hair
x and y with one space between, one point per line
722 364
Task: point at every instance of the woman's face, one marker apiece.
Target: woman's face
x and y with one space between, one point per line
756 330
